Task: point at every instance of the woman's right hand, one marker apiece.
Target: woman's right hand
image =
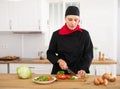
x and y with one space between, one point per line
62 64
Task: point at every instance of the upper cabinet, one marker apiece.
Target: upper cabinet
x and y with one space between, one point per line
4 17
23 15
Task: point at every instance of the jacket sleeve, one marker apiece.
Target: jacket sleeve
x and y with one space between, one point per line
51 52
87 54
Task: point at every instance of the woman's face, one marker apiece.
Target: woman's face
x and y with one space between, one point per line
72 21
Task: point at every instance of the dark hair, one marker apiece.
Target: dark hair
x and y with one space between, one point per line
72 10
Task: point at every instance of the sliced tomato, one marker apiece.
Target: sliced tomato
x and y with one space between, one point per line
61 76
68 76
50 78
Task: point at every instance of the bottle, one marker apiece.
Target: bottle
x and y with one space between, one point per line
96 53
41 55
100 56
103 57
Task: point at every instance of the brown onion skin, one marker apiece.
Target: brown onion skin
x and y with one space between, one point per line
105 82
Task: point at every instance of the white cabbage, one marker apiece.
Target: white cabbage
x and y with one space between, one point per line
24 72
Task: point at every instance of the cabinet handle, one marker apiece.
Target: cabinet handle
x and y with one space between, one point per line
31 67
39 24
10 24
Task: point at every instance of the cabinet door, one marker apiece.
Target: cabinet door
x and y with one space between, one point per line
92 70
35 68
24 15
113 68
4 16
3 68
42 68
100 69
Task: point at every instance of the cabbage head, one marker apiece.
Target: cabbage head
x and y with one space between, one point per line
24 72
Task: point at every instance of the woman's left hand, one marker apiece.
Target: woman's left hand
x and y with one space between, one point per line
81 74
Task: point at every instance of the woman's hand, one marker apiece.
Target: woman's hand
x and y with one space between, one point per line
62 64
81 74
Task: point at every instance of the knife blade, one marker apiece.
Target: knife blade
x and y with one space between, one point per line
71 72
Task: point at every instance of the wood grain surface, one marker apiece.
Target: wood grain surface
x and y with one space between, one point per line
46 61
11 81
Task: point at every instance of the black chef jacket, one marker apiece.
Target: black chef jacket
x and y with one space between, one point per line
75 48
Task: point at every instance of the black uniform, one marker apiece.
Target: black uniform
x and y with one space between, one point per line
75 48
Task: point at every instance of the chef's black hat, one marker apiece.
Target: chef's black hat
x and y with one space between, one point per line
72 10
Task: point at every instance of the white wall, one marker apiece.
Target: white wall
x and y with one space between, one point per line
118 45
99 17
22 45
10 44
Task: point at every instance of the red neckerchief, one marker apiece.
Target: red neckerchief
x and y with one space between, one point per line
65 30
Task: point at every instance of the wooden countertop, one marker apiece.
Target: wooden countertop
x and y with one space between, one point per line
11 81
46 61
30 61
108 61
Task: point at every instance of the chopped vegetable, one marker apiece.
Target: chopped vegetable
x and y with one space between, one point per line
61 76
87 75
60 72
44 78
72 78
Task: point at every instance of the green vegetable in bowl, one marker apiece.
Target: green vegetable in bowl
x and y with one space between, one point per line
24 72
42 78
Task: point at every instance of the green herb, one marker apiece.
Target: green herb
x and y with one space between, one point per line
72 78
60 72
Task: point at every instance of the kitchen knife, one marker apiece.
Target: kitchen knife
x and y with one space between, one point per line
71 72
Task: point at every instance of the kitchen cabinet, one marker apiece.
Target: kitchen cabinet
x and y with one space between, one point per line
3 68
100 69
4 17
23 15
36 68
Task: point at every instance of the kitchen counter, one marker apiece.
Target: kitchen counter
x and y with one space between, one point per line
27 60
11 81
107 61
46 61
